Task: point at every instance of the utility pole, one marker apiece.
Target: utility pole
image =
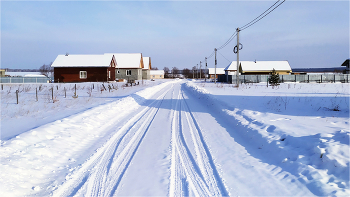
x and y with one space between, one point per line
215 65
200 70
192 73
206 68
237 72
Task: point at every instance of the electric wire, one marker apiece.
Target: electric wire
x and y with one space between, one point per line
225 57
228 41
259 15
255 21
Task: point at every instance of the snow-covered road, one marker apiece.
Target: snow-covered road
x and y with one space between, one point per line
164 140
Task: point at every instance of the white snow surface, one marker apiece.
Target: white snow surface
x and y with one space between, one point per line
175 138
83 60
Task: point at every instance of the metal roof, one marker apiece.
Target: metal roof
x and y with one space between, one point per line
83 61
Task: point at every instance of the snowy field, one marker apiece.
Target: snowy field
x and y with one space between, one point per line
175 138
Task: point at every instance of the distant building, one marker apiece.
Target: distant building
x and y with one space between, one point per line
146 68
84 68
2 72
129 65
259 67
157 74
219 71
346 64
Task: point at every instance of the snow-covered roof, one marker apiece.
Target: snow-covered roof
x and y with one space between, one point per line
247 66
147 63
156 72
232 66
128 60
83 60
219 71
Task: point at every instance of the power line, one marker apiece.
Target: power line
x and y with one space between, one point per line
225 57
259 15
228 41
257 20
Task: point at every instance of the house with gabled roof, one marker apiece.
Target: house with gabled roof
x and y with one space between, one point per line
219 71
129 66
259 67
84 68
146 68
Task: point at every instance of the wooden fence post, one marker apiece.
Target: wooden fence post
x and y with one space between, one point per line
65 92
36 93
17 96
52 93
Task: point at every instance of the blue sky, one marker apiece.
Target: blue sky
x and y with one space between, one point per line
175 33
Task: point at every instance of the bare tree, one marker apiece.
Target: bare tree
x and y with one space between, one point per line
187 73
175 72
166 72
46 70
154 68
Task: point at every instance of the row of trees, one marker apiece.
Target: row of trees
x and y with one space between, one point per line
186 73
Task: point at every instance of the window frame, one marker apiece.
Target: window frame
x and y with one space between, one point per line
126 72
83 75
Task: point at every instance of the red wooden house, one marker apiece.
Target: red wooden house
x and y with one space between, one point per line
84 68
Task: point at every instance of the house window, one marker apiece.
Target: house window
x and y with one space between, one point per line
109 74
118 71
128 72
83 74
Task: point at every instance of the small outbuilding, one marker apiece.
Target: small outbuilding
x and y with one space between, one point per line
84 68
146 68
129 66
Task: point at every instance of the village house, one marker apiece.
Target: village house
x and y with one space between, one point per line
259 68
84 68
147 67
157 74
219 71
129 66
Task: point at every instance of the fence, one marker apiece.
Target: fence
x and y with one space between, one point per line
325 78
24 80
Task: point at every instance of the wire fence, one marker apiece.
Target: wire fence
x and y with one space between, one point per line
324 78
25 80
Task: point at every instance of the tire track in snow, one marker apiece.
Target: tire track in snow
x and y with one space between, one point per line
200 173
102 173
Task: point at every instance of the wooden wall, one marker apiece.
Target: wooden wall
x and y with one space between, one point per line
94 74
